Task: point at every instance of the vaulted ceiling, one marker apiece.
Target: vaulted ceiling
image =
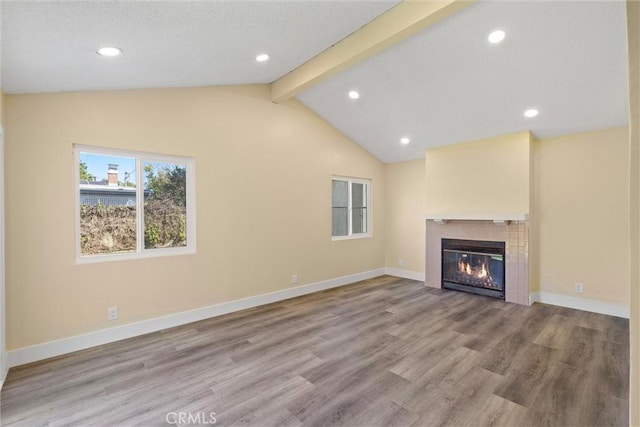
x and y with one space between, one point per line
444 84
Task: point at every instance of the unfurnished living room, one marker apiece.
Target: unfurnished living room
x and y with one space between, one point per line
314 213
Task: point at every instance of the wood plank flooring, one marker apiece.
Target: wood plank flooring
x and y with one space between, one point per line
382 352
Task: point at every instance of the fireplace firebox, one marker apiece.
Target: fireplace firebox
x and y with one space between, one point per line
474 266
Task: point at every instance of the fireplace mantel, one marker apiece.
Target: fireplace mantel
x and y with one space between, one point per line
477 217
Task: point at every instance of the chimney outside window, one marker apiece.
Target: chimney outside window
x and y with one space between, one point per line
112 175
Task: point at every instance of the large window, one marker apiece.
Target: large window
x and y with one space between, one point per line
132 204
351 208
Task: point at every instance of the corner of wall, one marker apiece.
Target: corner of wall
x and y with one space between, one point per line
404 222
4 363
534 240
633 53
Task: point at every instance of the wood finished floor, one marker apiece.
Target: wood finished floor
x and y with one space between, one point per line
382 352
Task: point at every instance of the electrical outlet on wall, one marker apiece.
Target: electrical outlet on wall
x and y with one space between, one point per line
579 288
112 313
401 262
294 279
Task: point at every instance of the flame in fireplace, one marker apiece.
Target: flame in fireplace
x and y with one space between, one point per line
465 268
483 271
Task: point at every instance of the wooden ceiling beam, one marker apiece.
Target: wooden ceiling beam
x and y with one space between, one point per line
398 23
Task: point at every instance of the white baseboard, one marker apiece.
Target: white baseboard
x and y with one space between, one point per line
594 306
49 349
406 274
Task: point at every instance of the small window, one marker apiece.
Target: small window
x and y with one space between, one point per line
351 208
132 205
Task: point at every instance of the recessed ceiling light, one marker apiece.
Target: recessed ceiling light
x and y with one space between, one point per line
496 36
405 140
262 57
354 94
109 51
531 113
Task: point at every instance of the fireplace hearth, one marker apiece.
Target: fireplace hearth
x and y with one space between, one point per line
474 266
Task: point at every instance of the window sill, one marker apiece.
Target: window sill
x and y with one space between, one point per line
355 236
92 259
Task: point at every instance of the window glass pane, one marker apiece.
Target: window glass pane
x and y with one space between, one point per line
359 211
340 194
340 208
340 222
165 205
359 195
107 204
359 220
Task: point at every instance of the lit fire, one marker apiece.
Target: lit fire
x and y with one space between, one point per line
480 273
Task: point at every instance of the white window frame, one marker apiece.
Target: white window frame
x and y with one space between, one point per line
351 234
140 158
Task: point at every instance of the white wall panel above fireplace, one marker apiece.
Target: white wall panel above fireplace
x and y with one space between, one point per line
486 177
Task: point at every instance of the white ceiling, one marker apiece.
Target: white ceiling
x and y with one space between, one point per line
51 46
446 84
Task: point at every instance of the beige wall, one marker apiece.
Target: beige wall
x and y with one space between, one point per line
263 174
581 210
404 215
633 32
579 193
469 178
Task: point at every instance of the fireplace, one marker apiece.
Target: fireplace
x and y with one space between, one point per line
474 266
511 229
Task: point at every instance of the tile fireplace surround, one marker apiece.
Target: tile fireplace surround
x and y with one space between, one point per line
513 230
